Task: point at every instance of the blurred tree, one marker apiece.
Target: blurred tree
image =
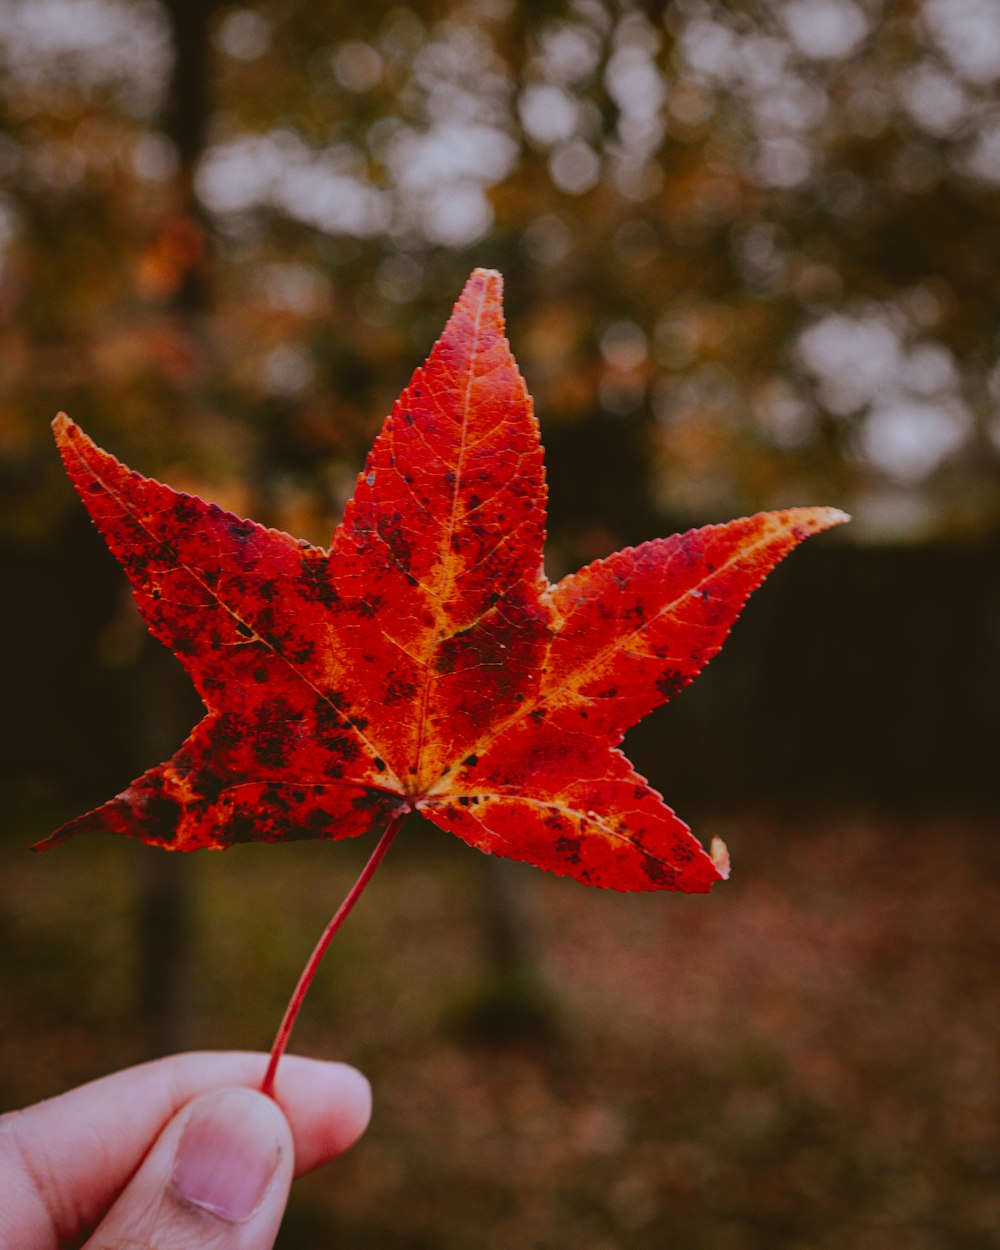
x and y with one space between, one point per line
176 268
750 251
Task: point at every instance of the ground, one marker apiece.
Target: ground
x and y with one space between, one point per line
806 1059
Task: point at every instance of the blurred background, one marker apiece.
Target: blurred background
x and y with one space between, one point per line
751 259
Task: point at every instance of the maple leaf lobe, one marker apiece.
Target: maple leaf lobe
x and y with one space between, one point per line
424 662
449 517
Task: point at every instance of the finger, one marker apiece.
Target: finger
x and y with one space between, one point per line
216 1179
64 1160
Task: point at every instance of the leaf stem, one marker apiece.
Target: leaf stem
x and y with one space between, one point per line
309 971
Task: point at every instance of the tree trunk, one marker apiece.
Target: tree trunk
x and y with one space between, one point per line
165 886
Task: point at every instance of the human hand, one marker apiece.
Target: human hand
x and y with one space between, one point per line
181 1154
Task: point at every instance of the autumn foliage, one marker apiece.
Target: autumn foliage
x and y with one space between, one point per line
424 662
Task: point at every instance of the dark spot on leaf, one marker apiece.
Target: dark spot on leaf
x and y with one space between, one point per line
367 608
315 584
162 816
400 544
228 732
367 800
270 737
657 872
669 682
239 530
317 824
399 691
336 738
207 784
329 718
241 827
185 510
181 764
569 849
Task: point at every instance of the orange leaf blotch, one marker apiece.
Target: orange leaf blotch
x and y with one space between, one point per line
424 662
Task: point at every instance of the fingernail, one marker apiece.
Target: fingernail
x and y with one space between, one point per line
227 1154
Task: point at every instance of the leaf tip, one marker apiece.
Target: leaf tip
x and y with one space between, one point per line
815 520
486 283
61 425
720 857
46 844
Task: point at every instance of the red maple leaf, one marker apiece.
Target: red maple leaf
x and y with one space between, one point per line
425 663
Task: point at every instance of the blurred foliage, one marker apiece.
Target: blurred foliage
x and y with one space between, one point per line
750 250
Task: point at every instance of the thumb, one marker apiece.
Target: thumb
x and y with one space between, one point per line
217 1178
